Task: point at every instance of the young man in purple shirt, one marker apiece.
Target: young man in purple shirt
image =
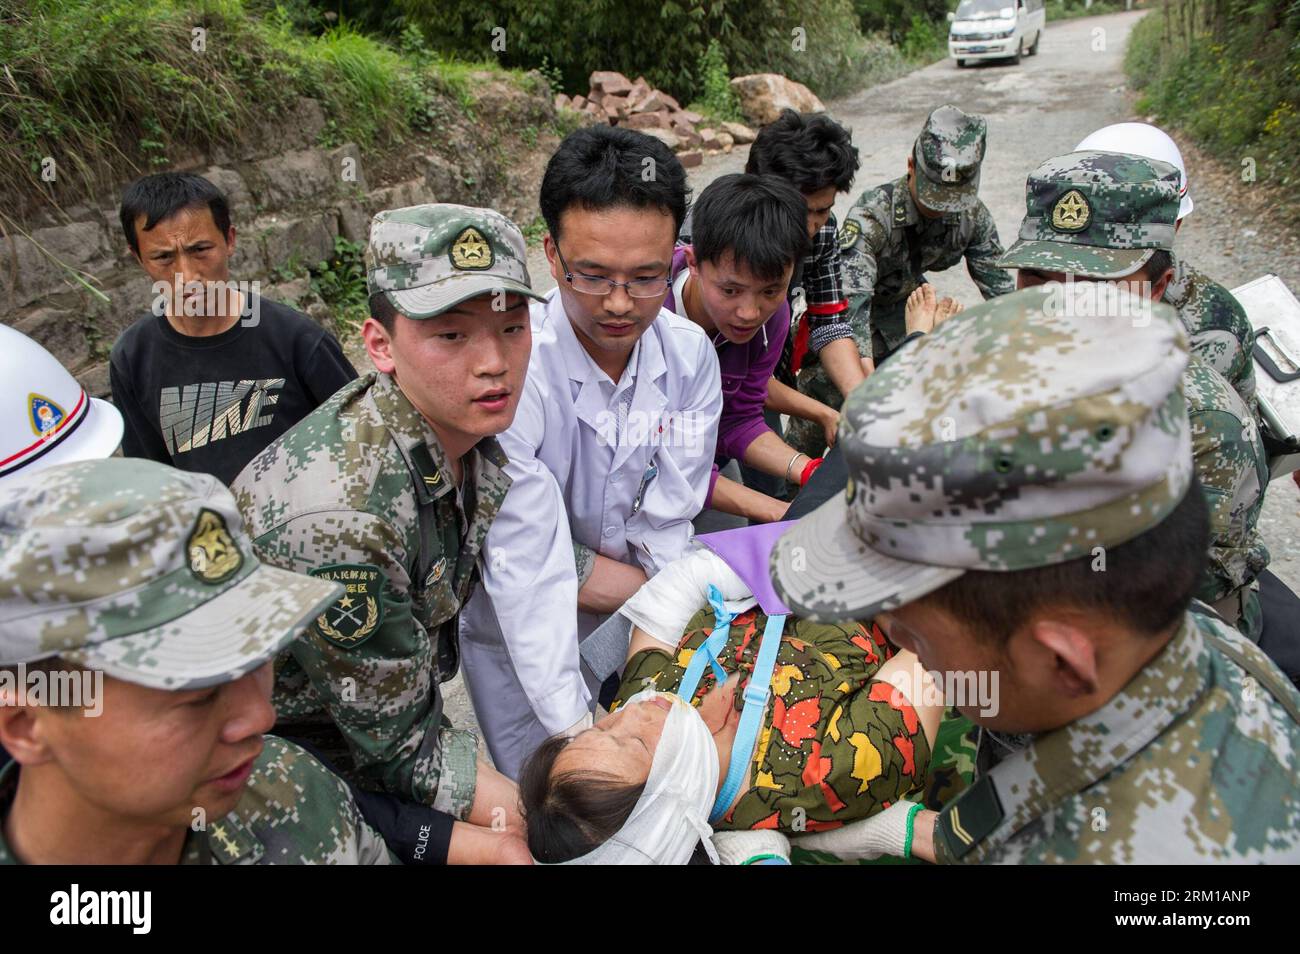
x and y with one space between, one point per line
748 234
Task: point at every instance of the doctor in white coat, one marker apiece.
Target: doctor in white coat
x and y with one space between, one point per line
611 448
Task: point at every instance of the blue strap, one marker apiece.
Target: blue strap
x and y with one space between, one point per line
709 649
751 718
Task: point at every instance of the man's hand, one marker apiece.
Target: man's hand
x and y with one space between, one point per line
472 845
884 833
830 424
752 847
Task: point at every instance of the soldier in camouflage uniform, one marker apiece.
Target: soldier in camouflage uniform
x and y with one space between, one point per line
1110 217
928 220
1221 334
390 488
132 595
1022 501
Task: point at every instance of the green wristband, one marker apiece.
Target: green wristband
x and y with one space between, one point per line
763 857
911 828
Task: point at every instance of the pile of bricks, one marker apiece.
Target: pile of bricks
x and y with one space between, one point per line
619 101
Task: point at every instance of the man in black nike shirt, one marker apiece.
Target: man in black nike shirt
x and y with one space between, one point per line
214 373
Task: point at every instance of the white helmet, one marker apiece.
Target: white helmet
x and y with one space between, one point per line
1147 141
46 417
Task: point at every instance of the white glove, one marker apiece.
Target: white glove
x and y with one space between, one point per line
881 834
741 847
667 601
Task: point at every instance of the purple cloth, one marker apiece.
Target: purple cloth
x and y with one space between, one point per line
748 550
745 370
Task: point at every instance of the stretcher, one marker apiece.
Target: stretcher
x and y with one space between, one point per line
1274 313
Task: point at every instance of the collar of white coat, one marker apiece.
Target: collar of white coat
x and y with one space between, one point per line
646 368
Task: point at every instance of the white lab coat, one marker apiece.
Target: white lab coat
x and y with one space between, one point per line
573 481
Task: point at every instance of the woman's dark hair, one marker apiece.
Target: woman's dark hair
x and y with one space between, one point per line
162 195
760 220
570 813
809 151
1147 584
601 167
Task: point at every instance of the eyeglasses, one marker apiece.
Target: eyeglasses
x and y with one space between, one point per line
593 285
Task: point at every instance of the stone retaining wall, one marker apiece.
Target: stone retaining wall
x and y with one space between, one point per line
289 199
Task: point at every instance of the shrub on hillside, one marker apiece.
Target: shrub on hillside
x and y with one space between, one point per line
1228 72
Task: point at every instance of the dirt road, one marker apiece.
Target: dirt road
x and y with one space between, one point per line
1038 109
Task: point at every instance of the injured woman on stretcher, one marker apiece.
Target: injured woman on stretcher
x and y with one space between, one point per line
837 732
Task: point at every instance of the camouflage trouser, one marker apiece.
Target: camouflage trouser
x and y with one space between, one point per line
888 332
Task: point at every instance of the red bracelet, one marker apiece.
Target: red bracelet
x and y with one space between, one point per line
808 470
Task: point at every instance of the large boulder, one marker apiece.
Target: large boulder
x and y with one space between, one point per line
83 246
763 95
739 132
610 83
665 136
659 120
303 175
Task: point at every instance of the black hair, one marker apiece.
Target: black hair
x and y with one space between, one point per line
760 220
382 310
162 195
602 167
809 151
570 813
1160 262
1147 584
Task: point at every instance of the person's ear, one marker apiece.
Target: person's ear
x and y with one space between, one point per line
691 261
1075 655
1160 284
379 344
230 240
553 259
20 731
911 164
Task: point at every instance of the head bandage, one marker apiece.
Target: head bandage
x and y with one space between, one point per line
672 813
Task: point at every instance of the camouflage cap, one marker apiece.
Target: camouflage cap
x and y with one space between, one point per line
1020 434
429 258
1096 214
948 154
144 572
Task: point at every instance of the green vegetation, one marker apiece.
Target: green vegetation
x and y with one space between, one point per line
111 89
1228 73
833 46
718 101
340 283
925 40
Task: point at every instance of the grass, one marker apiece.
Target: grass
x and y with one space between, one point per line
1232 85
111 89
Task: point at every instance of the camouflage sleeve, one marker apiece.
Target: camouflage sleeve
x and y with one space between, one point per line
369 661
1223 337
584 558
982 256
861 239
1226 465
300 812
